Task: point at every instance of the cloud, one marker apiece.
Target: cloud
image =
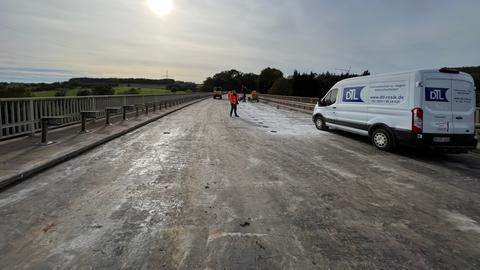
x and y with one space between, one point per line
35 74
124 38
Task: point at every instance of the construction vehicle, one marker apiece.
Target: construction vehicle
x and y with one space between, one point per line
217 92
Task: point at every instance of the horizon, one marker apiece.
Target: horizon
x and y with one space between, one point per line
56 40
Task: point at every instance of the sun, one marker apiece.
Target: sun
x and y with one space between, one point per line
160 7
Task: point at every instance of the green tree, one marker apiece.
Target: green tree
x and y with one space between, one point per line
266 79
61 92
228 80
304 84
366 73
14 91
84 92
133 91
249 80
103 90
281 86
208 85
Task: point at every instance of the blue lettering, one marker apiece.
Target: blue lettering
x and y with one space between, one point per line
436 94
353 94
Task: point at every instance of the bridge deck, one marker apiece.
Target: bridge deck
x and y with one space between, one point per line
200 190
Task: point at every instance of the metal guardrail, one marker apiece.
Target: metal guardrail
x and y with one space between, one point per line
21 116
288 103
308 100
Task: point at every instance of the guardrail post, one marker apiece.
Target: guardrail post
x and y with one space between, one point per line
31 116
45 121
44 131
84 123
107 122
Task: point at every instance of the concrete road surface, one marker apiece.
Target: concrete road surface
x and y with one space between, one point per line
201 190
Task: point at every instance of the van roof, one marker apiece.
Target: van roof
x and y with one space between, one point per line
400 73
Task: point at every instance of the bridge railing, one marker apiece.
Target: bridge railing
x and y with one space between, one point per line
308 100
302 103
21 116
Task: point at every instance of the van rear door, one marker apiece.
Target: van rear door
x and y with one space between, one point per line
437 109
463 107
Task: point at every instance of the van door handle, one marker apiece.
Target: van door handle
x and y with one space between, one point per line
459 118
334 107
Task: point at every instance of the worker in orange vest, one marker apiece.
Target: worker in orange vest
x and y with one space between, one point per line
233 103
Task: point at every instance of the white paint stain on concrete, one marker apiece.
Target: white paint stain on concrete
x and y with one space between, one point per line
217 236
462 222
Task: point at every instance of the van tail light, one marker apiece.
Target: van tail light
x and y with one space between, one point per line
417 121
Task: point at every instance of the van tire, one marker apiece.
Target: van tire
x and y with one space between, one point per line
383 139
320 123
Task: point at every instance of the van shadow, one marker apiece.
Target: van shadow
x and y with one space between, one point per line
415 153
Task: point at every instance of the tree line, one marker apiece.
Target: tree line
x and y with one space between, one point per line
272 81
91 86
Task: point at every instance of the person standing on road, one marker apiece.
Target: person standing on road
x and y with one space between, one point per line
233 103
244 89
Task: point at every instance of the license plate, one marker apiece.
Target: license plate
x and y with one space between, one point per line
441 139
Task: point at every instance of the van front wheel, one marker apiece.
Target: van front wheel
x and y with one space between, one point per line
382 139
320 123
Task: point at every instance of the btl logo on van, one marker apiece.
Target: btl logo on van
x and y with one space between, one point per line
436 94
353 94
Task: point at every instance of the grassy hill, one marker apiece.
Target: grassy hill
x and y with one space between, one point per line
119 90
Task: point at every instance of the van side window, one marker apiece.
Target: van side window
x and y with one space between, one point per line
324 101
333 96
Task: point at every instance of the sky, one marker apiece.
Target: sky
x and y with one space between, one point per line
54 40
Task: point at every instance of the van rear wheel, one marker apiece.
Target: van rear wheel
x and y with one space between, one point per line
320 123
383 140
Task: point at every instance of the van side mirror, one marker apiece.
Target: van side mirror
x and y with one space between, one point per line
322 103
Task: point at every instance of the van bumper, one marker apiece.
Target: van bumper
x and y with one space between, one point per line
431 141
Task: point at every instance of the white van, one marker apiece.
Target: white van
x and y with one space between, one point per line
433 108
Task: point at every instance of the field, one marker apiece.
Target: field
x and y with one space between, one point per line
70 92
119 90
145 90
